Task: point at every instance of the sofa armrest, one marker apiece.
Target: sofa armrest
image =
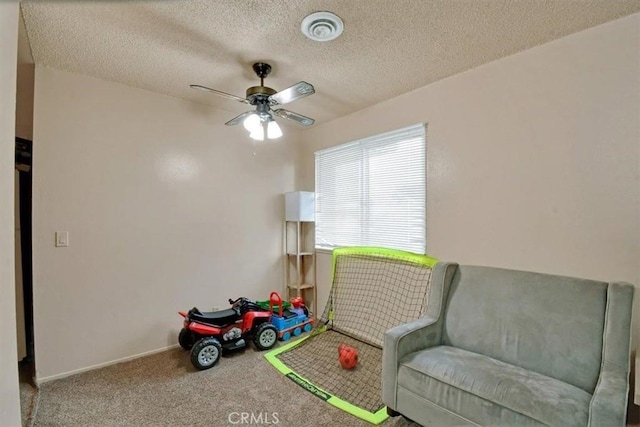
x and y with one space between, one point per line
608 405
609 402
419 334
400 341
413 336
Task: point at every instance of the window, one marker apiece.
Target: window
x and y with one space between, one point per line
372 192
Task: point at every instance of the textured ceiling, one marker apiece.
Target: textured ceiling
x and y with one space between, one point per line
389 47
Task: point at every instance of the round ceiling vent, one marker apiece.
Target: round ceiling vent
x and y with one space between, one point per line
322 26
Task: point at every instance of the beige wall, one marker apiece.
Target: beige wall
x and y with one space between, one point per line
9 394
533 160
166 209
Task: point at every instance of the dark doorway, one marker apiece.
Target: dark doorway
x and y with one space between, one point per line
24 151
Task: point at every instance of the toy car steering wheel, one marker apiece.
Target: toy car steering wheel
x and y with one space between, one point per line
239 305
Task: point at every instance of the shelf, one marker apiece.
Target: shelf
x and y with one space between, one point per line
299 263
303 286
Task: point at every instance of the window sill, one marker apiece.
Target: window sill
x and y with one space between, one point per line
324 251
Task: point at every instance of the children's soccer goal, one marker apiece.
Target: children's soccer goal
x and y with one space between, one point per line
373 290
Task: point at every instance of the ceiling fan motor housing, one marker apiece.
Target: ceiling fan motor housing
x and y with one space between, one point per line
259 94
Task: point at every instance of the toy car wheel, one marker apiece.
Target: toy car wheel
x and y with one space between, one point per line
297 332
266 336
186 338
286 336
206 353
307 327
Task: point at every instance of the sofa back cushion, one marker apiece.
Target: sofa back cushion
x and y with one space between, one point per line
548 324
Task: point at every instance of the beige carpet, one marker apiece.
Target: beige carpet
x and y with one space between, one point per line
165 390
28 393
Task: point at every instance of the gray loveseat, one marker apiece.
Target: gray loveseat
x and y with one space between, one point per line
510 348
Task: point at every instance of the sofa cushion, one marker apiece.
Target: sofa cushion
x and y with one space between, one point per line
512 316
491 392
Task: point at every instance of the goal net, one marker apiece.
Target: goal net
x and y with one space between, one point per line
373 290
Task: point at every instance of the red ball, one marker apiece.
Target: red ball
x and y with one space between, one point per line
347 356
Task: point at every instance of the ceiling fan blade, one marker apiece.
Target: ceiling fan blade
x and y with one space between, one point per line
290 94
219 93
240 118
295 117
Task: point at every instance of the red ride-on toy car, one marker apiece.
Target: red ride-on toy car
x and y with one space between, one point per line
208 334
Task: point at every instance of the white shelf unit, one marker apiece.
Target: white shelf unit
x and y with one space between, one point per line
300 263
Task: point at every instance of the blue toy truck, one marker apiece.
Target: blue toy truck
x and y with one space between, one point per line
291 321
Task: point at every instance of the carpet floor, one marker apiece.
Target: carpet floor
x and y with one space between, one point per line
164 389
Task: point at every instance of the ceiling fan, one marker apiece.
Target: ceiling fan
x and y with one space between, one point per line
261 122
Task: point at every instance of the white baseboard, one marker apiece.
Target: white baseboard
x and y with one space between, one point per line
43 380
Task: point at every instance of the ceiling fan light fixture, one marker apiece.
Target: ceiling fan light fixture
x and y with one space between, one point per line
252 122
322 26
273 130
257 133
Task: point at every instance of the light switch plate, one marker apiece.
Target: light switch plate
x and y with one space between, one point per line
62 239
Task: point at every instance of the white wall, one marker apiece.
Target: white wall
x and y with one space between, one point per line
166 209
9 394
533 160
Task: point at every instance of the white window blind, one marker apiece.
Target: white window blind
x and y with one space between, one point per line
372 192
